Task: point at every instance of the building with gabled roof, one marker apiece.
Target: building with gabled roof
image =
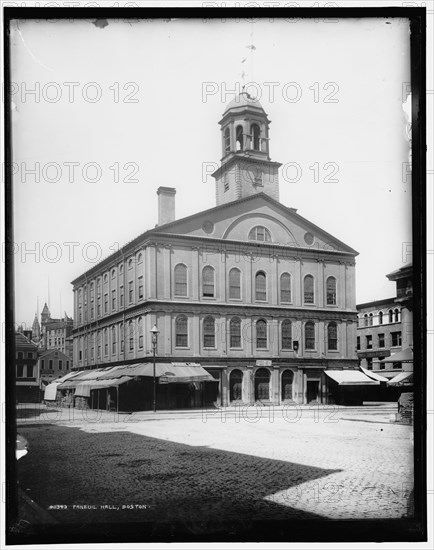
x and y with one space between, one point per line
250 290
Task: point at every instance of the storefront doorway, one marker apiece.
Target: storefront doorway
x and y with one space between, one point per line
287 382
236 385
312 391
262 385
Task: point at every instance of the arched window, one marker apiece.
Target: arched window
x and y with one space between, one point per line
390 316
92 291
308 292
227 139
99 338
106 341
105 278
239 138
121 336
256 132
208 281
332 336
309 335
286 334
380 318
285 288
235 385
396 315
140 332
181 332
287 381
113 339
121 268
366 320
181 280
139 258
261 286
113 273
262 385
259 233
130 263
209 332
235 332
261 334
331 291
131 335
371 319
235 284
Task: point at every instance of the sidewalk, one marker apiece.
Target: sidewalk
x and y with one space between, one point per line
48 414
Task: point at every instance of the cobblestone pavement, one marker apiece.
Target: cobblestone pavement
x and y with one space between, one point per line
338 464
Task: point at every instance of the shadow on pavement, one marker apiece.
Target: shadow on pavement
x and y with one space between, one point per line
143 479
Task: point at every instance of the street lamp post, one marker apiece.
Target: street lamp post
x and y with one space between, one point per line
155 332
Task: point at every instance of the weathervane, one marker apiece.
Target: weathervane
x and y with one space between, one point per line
252 48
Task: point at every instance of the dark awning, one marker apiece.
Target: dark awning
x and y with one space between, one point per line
84 388
174 372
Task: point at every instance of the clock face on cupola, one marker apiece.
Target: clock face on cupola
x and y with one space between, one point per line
246 167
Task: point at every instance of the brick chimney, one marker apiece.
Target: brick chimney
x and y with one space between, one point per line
166 205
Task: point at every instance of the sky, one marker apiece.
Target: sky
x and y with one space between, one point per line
118 110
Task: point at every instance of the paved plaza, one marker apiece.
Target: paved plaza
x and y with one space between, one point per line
248 463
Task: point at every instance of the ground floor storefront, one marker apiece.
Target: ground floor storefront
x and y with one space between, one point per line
135 387
267 382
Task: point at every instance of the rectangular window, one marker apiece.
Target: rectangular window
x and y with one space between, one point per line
358 342
42 364
113 347
396 365
20 371
92 312
140 288
121 296
130 292
369 342
99 350
50 364
381 340
396 338
369 363
92 353
99 309
141 341
29 371
20 355
29 355
105 303
67 364
80 355
106 347
113 299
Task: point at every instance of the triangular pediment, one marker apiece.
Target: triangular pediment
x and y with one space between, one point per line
235 220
